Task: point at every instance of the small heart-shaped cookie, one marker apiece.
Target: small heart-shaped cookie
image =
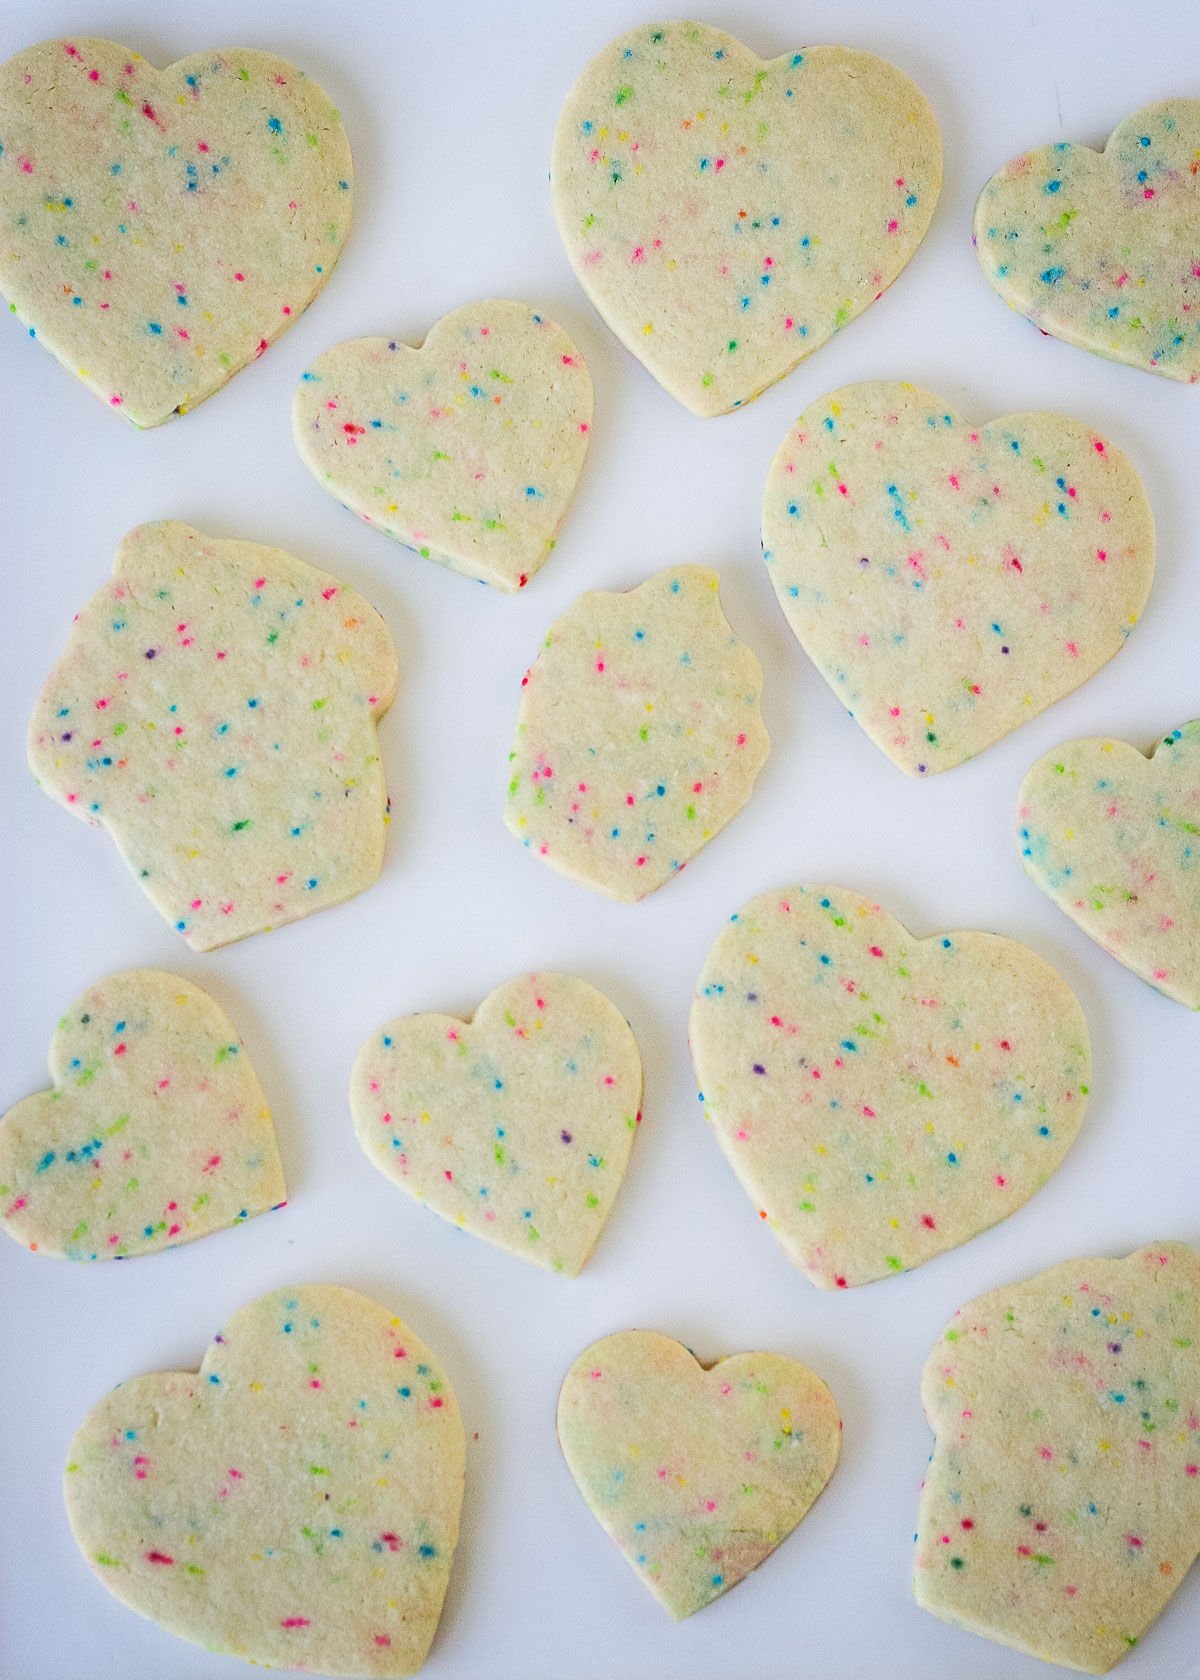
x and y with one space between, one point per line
1061 1507
950 581
697 1472
882 1098
467 450
163 227
295 1502
1102 249
156 1129
1113 837
517 1124
215 711
727 214
639 735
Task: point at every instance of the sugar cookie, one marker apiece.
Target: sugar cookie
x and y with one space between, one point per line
639 734
155 1131
516 1124
163 227
295 1502
882 1098
950 581
727 214
215 711
467 450
1061 1508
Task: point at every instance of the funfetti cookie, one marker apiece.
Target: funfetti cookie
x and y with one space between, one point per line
295 1502
155 1130
639 734
882 1098
467 449
1113 837
1101 248
515 1124
697 1473
161 228
215 711
727 214
1061 1508
951 580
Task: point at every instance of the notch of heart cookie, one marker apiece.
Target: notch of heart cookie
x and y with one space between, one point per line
165 226
950 581
466 449
727 214
516 1124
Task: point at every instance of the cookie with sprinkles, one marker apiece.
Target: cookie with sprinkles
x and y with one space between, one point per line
697 1472
1112 836
1102 249
163 227
882 1098
515 1124
1061 1508
215 711
639 734
467 449
948 580
727 214
295 1502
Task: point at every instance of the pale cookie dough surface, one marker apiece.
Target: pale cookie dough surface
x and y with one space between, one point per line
160 228
155 1131
1061 1508
697 1474
1102 249
882 1098
727 214
1113 837
639 734
295 1502
215 711
466 449
950 581
516 1125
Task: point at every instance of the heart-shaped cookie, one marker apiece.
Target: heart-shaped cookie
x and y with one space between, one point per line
1102 249
156 1129
516 1125
163 227
1061 1507
639 734
727 214
215 711
696 1472
1113 837
295 1502
882 1098
950 581
467 450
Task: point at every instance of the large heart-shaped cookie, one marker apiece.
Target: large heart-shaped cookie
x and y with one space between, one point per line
639 735
1061 1508
697 1473
1102 249
156 1129
950 581
467 450
294 1502
882 1098
1113 837
215 711
162 227
727 214
517 1124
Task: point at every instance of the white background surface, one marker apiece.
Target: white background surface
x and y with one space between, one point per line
450 109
